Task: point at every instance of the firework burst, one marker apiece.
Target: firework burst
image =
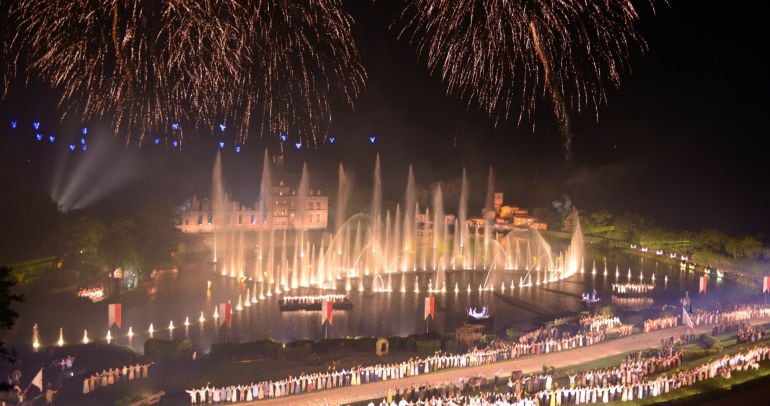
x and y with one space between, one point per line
261 65
502 55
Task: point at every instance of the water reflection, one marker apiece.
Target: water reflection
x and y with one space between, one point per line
195 290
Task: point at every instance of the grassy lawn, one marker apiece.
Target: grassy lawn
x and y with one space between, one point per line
708 387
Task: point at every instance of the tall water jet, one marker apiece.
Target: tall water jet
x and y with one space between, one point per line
408 230
344 189
375 236
461 229
574 258
265 209
488 206
218 204
438 238
265 203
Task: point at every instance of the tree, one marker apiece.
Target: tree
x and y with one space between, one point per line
118 247
711 240
8 316
155 235
549 215
747 246
80 236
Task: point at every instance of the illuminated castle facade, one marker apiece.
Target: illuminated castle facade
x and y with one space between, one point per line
285 211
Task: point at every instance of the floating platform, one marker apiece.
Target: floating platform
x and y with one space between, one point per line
632 295
345 305
484 321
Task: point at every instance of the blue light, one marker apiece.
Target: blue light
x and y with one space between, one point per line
222 127
237 148
85 147
175 143
84 131
39 136
175 126
283 137
221 144
36 125
72 147
13 124
156 141
372 139
82 141
51 138
298 144
332 139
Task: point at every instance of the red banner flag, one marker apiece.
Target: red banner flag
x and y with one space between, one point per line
766 284
225 310
114 316
326 312
430 307
704 283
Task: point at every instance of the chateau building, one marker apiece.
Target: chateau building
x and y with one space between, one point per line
285 211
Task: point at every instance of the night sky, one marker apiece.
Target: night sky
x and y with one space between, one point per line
680 141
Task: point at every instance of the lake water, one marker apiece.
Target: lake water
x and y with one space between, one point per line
174 296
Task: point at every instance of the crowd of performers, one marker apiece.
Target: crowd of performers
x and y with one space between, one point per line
631 371
115 375
599 322
547 340
593 386
749 334
307 300
660 323
740 313
723 321
590 388
632 287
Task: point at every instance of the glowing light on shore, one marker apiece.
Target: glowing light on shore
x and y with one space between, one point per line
151 330
130 332
35 337
201 319
187 321
60 343
85 337
109 337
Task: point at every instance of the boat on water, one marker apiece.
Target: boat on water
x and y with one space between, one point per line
479 316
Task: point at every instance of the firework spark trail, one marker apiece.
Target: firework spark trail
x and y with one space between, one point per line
559 109
501 55
264 65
